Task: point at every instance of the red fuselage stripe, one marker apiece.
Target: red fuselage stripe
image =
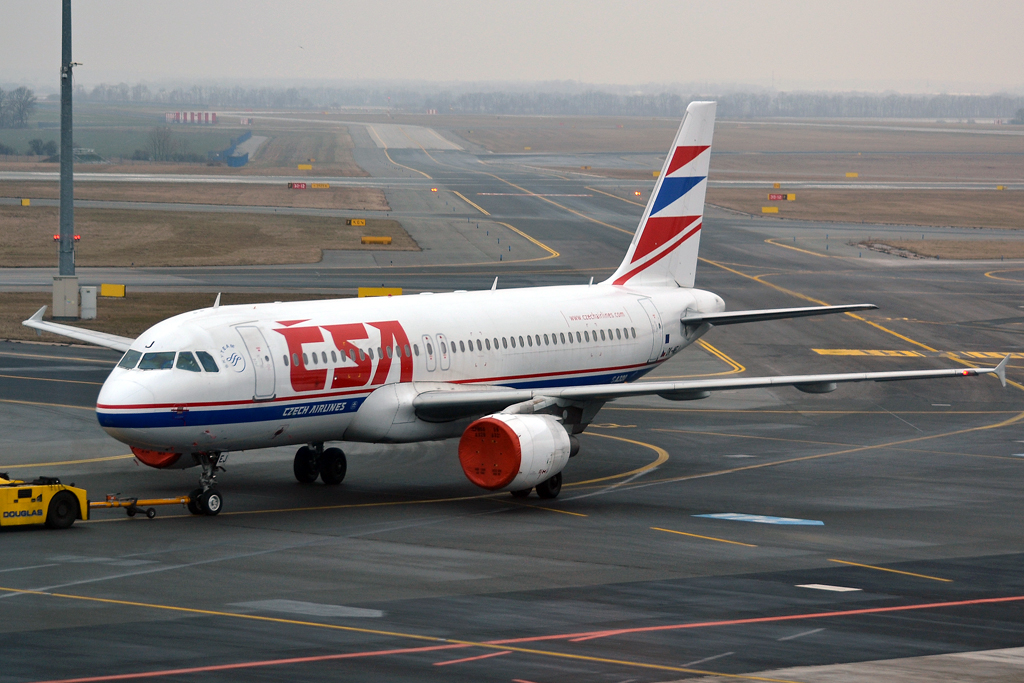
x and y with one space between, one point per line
639 269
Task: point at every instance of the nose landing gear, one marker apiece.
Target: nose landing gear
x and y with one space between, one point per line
207 500
313 461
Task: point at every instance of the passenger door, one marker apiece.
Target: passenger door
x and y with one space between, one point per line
262 361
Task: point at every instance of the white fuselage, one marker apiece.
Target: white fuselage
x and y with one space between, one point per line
302 372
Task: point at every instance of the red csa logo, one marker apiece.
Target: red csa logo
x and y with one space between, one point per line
348 375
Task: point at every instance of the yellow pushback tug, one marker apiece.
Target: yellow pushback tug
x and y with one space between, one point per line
41 501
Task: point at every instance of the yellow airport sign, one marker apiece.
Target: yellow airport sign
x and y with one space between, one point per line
305 167
777 185
26 202
657 173
379 291
769 209
852 175
112 290
370 239
355 221
320 186
527 148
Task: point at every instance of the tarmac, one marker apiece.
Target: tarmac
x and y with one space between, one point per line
873 531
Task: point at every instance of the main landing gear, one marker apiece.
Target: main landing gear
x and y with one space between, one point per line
549 488
207 500
314 461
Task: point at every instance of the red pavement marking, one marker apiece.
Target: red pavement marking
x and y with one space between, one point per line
578 637
473 659
572 637
249 665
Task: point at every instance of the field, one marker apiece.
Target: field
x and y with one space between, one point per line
127 317
950 249
971 209
340 198
173 238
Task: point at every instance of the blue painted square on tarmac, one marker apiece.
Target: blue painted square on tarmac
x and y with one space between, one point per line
763 519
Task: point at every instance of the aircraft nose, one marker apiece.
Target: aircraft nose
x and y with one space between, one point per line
123 392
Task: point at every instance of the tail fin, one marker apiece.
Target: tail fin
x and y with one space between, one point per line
664 248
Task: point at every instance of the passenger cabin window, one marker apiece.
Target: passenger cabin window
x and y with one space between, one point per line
209 364
618 335
285 357
186 361
430 350
633 332
130 360
462 346
529 339
295 358
504 342
408 354
479 346
487 343
561 336
415 349
160 360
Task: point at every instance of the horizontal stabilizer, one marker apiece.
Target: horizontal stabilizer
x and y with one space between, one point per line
736 317
110 341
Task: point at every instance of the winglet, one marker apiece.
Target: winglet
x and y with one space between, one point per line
1000 369
494 285
38 315
216 302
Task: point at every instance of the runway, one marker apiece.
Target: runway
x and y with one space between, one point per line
748 532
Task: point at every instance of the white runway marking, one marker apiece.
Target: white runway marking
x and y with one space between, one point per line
826 587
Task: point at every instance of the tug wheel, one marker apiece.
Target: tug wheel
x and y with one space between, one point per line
63 511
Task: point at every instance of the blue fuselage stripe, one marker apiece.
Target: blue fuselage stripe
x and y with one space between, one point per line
203 417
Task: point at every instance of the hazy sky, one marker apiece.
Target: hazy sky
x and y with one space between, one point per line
912 46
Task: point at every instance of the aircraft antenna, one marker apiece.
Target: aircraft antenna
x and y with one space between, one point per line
494 285
216 302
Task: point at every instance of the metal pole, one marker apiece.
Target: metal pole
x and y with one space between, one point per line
67 153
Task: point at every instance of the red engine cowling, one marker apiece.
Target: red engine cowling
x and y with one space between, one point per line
161 460
513 451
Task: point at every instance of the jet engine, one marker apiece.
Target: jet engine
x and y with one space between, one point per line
513 451
163 460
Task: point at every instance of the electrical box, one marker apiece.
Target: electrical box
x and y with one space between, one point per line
88 303
65 297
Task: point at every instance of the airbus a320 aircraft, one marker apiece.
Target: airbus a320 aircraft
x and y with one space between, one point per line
515 373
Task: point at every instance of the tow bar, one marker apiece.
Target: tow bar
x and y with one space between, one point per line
133 506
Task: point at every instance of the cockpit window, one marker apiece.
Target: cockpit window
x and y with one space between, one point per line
209 364
186 361
160 360
130 360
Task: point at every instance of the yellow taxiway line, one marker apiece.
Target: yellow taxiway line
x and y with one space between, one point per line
893 571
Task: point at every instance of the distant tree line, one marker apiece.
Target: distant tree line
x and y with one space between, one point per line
588 102
164 145
15 107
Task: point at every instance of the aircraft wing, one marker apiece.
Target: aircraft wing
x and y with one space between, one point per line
459 401
735 317
111 341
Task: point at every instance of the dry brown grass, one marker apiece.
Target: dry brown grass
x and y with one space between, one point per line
127 317
956 249
970 209
331 151
172 238
342 198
